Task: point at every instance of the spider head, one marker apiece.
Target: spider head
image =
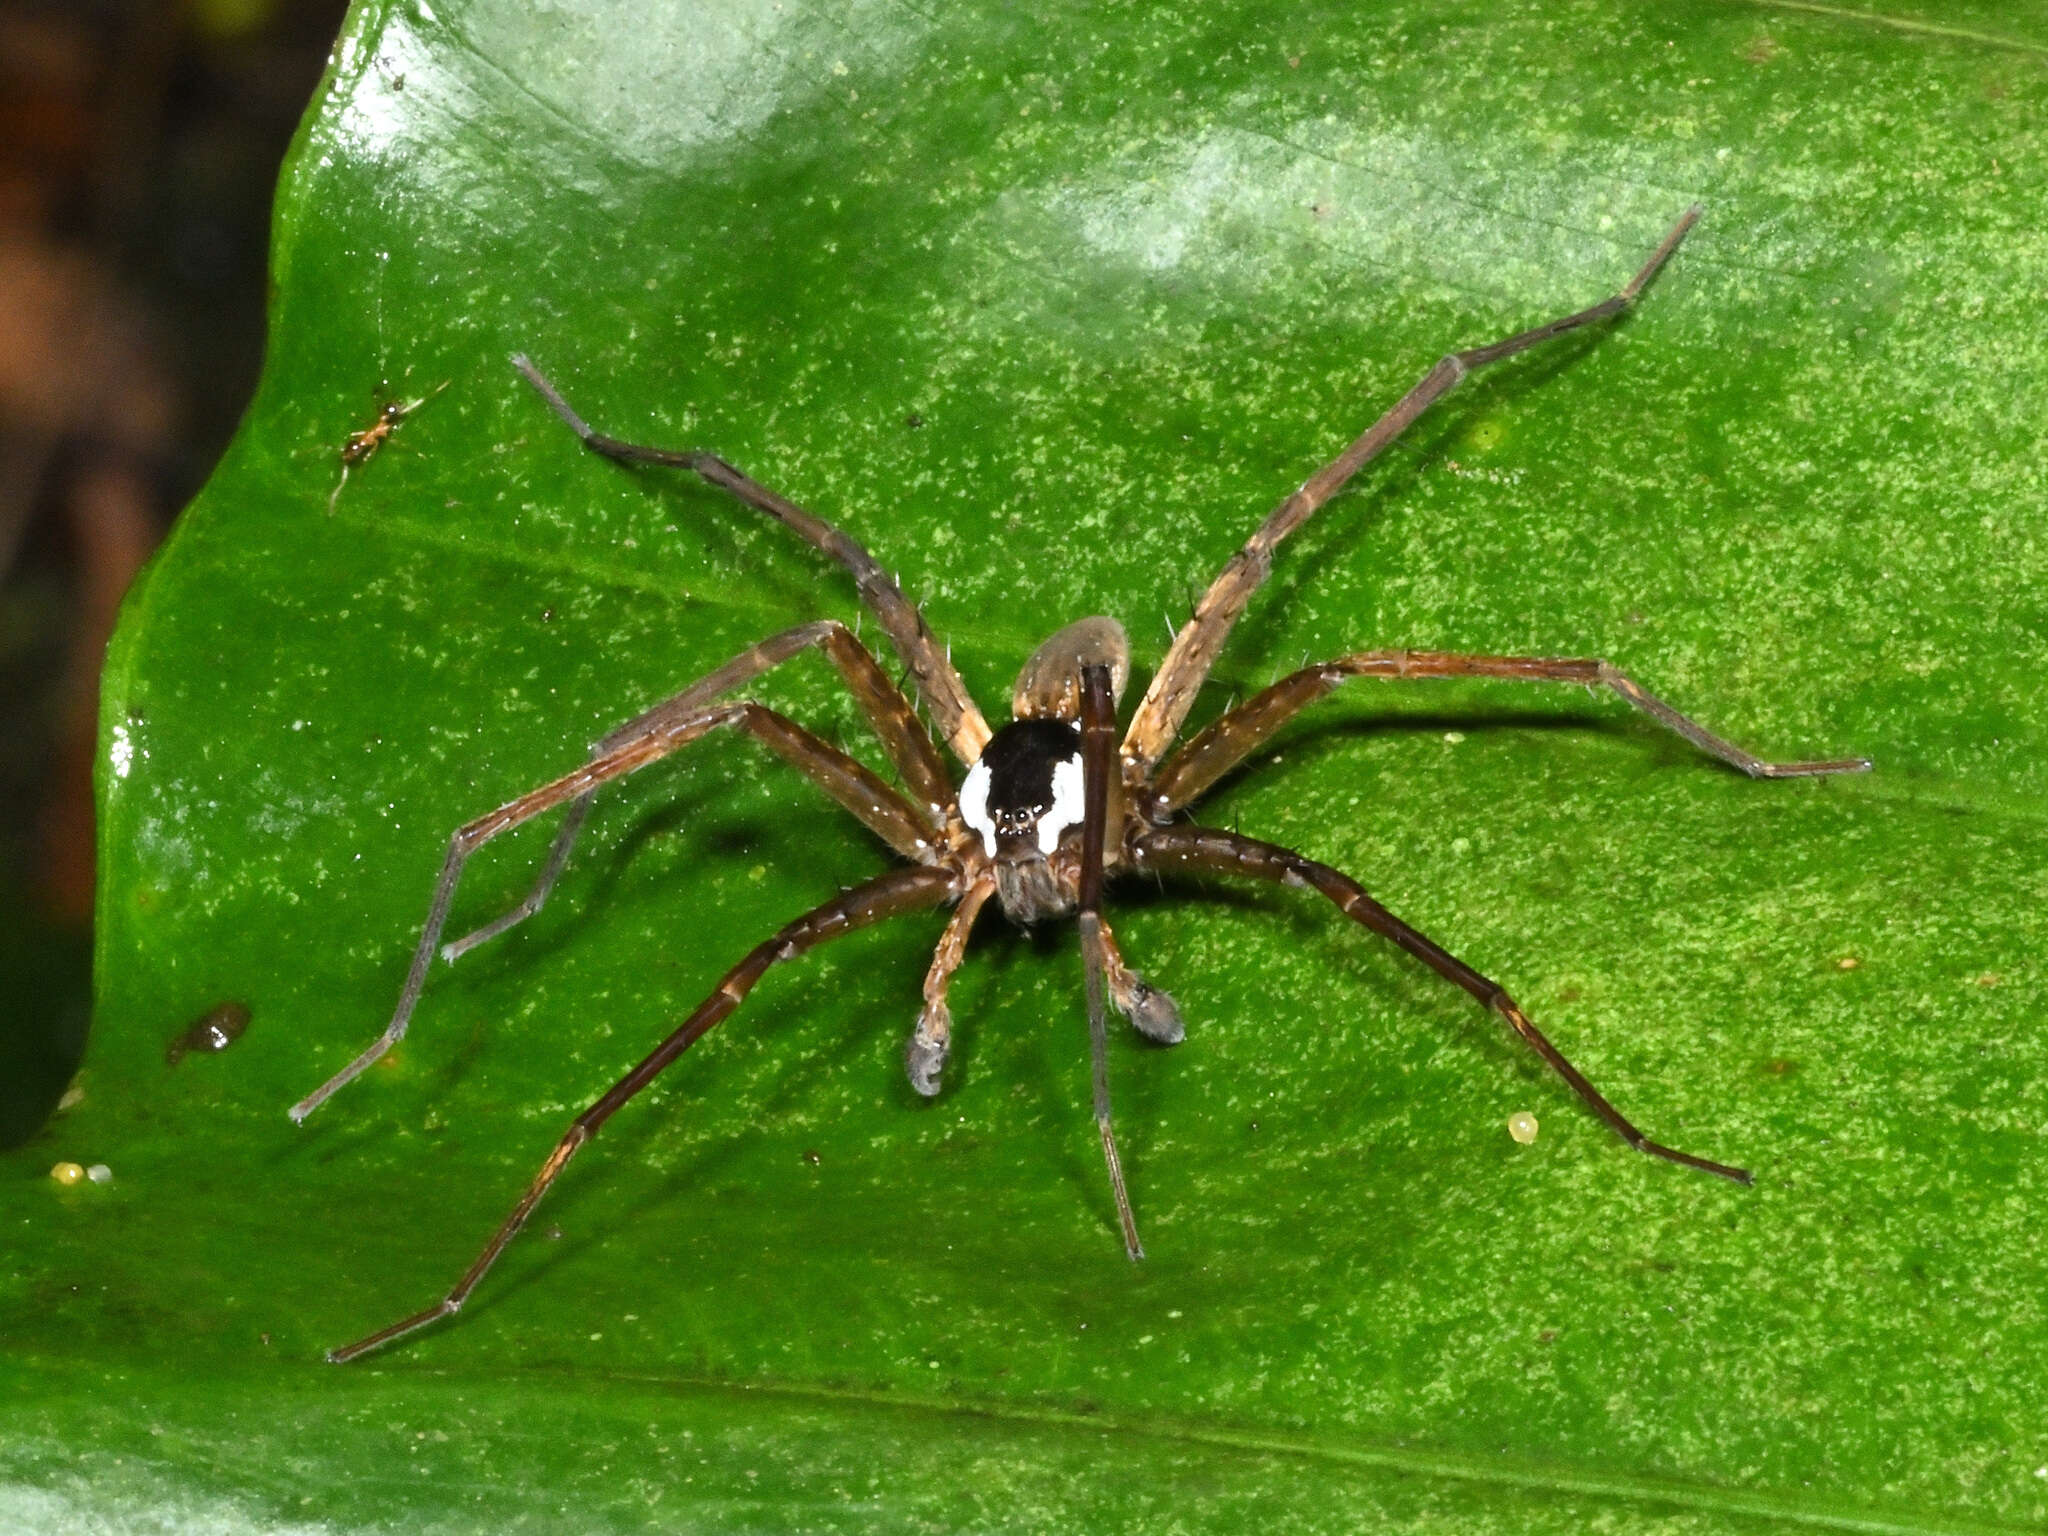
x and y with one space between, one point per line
1022 796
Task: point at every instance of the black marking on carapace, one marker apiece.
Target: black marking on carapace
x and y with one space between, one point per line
1021 758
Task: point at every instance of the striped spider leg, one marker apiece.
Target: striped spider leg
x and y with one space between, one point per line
912 889
909 830
1200 641
960 723
1157 846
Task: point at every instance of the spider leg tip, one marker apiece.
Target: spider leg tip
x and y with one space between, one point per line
1156 1016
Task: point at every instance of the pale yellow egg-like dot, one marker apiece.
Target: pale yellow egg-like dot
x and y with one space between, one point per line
67 1173
1522 1126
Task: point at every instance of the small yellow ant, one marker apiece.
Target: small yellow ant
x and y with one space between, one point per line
361 445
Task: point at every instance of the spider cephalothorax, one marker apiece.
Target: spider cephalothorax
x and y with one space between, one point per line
1023 794
1050 806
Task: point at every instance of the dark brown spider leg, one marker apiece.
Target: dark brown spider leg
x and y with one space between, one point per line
1195 648
932 1041
891 895
1207 850
938 684
1229 740
1098 754
894 722
850 783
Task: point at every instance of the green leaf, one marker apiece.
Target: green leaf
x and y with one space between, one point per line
1048 305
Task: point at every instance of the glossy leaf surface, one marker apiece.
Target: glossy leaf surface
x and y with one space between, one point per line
1048 306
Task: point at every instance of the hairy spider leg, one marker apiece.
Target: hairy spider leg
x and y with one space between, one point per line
1200 641
1152 1013
851 783
924 1058
960 722
1209 850
894 894
1227 741
895 723
1098 755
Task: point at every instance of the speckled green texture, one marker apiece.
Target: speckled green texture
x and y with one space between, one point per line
1134 273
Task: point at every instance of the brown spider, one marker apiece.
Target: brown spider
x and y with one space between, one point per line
1050 804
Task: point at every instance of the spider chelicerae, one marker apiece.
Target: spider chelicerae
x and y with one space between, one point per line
1051 804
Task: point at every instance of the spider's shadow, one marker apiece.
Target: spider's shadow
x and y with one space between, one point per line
1325 740
589 892
691 810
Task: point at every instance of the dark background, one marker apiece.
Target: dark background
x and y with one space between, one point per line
139 145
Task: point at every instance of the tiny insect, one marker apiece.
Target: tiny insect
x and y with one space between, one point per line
1049 806
362 445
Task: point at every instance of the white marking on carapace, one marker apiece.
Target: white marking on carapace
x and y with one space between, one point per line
1068 800
974 806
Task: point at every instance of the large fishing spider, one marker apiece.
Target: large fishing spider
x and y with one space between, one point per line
1050 805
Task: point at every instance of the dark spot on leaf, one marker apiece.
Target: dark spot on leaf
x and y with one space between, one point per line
215 1030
